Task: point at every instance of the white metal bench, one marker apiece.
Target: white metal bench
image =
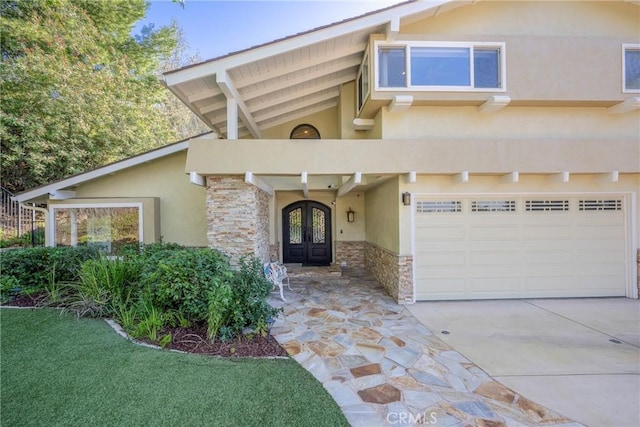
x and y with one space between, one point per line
276 273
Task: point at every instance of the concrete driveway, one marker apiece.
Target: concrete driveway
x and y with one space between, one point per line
579 357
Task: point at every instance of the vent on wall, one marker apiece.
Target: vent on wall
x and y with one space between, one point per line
546 205
439 206
600 205
493 206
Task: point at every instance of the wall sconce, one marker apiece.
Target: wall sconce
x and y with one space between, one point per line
406 198
351 215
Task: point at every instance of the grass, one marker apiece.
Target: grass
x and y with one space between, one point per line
62 371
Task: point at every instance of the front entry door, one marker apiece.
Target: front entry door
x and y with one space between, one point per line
306 228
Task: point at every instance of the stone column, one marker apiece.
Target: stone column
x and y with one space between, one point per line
237 218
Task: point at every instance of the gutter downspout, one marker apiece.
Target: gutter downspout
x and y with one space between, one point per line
47 238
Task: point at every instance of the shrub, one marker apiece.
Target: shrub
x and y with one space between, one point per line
33 267
180 280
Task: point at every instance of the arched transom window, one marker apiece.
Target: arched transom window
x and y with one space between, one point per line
305 131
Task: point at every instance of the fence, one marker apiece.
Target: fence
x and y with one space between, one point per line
19 225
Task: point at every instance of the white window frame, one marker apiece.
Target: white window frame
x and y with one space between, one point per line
365 62
501 46
625 47
54 207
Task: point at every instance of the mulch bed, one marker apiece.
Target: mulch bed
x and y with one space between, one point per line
194 340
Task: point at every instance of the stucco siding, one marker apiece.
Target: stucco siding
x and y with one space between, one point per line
556 52
383 206
510 123
182 204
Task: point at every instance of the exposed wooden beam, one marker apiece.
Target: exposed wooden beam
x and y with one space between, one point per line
232 119
287 117
275 100
393 28
213 107
608 178
203 94
411 177
284 107
286 83
305 184
250 178
461 177
626 106
510 178
351 183
562 177
332 55
230 91
401 102
62 195
494 103
197 179
295 99
363 124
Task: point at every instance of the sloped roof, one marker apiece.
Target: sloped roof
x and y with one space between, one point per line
289 78
69 182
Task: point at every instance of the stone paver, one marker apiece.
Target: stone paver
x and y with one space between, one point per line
383 367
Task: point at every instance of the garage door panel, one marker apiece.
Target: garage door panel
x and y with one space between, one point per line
494 233
494 258
493 285
531 246
548 257
549 233
444 258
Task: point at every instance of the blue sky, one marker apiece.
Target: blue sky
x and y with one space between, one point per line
216 27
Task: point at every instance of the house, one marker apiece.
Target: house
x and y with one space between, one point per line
455 149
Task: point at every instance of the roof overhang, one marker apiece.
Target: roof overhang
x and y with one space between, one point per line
267 85
56 188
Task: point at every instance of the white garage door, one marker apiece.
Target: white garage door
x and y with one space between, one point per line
520 247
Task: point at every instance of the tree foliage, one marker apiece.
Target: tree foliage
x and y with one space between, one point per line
77 90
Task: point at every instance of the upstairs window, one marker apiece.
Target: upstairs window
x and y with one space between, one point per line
304 131
631 68
442 66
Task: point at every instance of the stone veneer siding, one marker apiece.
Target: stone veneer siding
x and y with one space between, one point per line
237 218
393 271
351 253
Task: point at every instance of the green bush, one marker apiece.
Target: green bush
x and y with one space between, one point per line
180 280
33 268
148 288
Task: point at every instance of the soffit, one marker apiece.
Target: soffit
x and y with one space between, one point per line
290 78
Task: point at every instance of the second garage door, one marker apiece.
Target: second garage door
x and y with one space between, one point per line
520 247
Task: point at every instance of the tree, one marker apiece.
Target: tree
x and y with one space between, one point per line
77 91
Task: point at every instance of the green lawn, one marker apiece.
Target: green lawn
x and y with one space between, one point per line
63 371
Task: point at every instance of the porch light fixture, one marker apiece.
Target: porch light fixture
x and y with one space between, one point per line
351 215
406 198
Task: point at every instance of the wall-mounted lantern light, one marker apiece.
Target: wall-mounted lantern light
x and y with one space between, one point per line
351 215
406 198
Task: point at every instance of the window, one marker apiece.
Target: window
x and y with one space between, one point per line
104 226
443 66
392 69
439 206
493 206
631 68
363 87
304 131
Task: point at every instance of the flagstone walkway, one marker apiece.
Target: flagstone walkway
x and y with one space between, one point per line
385 368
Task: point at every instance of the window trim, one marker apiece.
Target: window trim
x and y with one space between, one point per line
625 47
53 207
501 46
361 98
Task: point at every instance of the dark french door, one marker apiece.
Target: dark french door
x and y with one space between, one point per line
306 228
